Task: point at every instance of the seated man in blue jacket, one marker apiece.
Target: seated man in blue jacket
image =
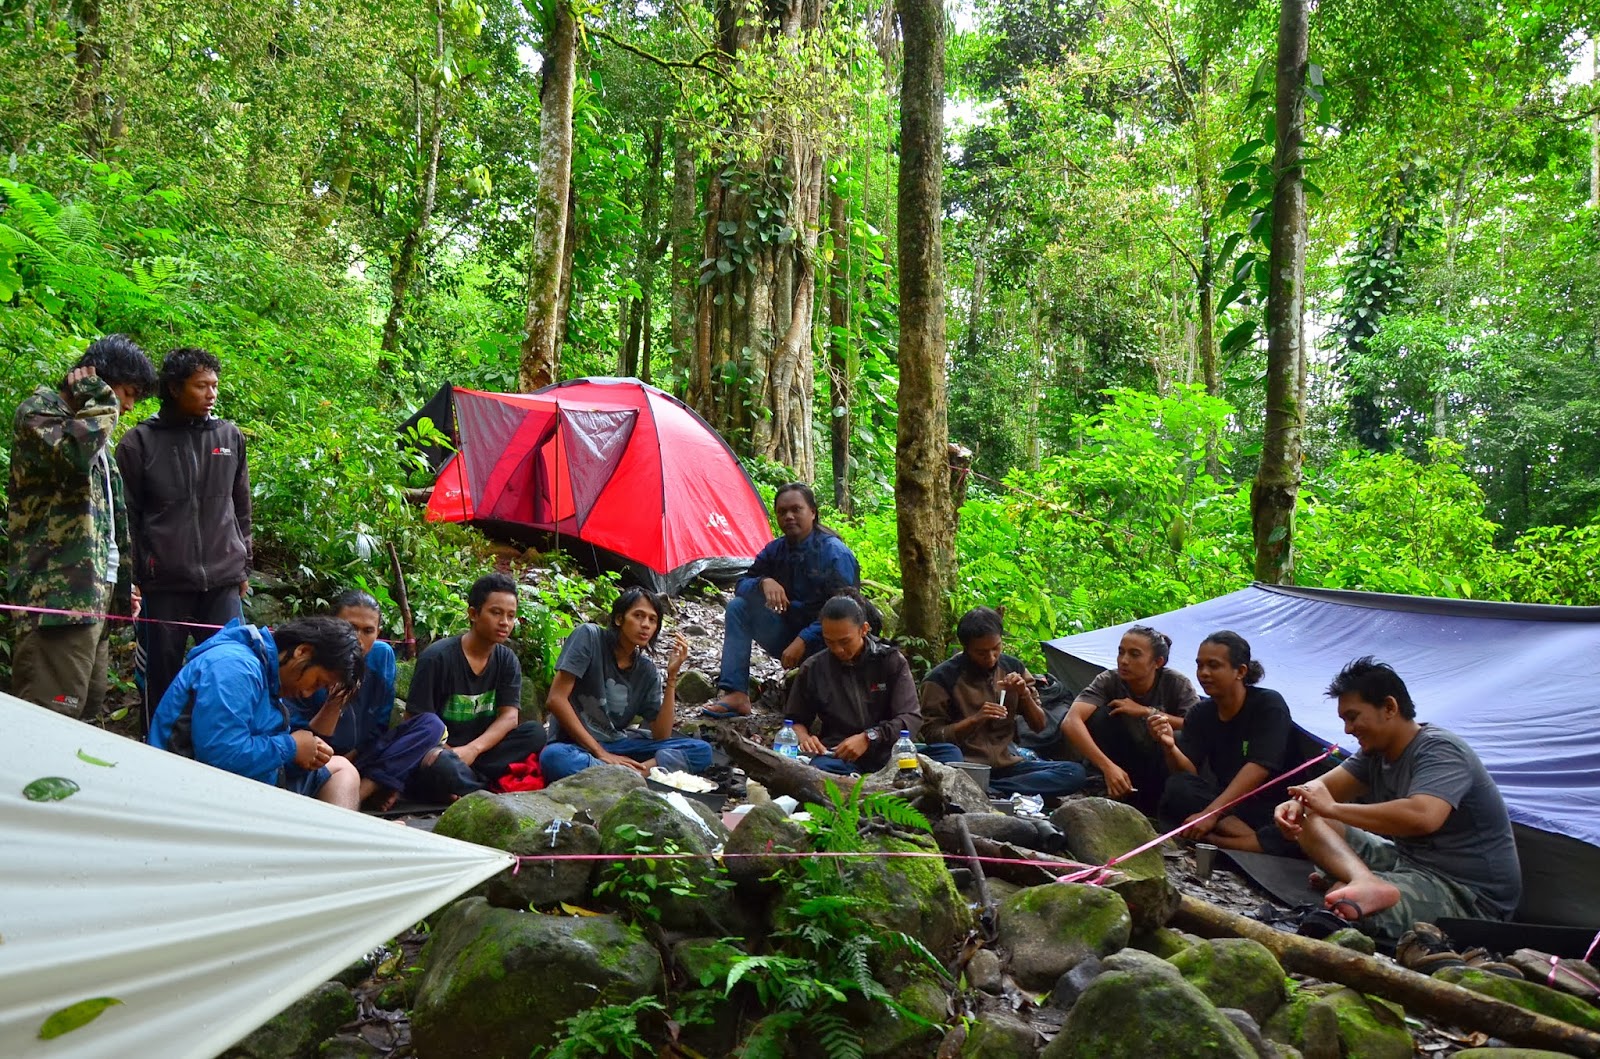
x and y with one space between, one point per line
776 604
226 709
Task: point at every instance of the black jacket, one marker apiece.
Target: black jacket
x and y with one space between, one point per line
187 488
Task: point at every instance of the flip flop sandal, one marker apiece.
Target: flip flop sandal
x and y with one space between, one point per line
721 711
1320 922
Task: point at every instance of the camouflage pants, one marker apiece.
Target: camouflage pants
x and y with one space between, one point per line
1425 895
63 667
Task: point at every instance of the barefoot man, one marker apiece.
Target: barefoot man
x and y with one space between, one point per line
1409 829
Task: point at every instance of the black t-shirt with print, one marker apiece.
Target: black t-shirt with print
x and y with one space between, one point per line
467 702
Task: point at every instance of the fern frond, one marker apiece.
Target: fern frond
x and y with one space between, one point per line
896 810
837 1037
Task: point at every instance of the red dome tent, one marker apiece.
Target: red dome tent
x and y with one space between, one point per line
615 463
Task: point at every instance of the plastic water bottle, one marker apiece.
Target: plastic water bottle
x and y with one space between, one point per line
786 742
909 770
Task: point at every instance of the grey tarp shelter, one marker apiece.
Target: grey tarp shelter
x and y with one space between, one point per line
1520 682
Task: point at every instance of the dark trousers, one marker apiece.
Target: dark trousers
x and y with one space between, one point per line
1126 741
521 743
395 754
165 645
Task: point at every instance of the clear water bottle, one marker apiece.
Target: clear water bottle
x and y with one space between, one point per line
908 772
786 742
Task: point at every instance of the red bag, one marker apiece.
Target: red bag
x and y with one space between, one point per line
522 776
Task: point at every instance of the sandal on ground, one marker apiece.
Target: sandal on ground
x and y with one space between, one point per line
1425 949
1320 922
1481 959
722 710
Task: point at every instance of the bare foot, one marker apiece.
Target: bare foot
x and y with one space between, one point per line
1318 881
387 801
1369 892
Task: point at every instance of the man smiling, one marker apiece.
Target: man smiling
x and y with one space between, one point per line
1412 827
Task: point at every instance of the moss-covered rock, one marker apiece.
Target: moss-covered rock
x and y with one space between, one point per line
1164 942
1325 1021
950 786
705 961
1525 994
984 972
694 687
296 1031
537 884
764 829
349 1046
596 789
1234 973
495 819
642 820
1050 929
498 982
915 896
1098 829
997 1035
1146 1012
887 1035
1352 939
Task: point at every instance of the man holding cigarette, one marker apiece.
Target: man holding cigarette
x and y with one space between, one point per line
973 701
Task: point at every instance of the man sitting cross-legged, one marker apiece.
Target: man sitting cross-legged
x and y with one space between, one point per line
474 682
962 704
1409 829
605 681
851 702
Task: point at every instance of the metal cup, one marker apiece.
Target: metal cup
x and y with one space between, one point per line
1205 858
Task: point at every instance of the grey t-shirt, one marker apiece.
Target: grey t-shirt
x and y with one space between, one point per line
1474 846
607 697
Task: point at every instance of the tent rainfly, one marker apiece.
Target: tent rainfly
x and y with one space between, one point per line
1516 681
614 463
185 904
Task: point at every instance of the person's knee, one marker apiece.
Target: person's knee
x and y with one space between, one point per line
560 760
343 786
736 612
429 726
696 754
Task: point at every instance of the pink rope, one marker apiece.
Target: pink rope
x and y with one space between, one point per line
1595 944
816 855
1094 876
96 616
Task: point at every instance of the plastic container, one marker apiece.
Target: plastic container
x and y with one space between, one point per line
909 771
787 742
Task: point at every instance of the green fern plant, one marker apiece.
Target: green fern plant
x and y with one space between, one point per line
836 827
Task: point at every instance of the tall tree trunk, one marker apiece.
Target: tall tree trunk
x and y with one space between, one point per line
545 324
922 474
684 239
841 360
429 139
89 58
1207 341
1277 483
644 265
753 370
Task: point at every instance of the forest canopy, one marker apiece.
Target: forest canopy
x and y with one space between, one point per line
351 204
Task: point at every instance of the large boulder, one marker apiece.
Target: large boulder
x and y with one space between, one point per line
1141 1008
296 1031
701 966
596 789
888 1035
1050 929
764 829
495 819
526 824
1326 1020
1537 998
912 895
1234 973
498 982
1098 829
684 894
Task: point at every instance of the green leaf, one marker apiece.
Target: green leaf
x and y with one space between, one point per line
1314 74
75 1016
95 761
1239 170
50 789
1239 336
1277 534
1247 150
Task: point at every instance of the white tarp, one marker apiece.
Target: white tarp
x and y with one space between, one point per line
204 902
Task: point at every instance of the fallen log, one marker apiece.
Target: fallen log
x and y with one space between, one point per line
778 774
1417 993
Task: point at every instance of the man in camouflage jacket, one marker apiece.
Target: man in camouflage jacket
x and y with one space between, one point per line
67 529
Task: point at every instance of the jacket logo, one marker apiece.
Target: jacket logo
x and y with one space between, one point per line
873 689
222 450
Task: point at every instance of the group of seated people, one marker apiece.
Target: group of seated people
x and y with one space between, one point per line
1409 828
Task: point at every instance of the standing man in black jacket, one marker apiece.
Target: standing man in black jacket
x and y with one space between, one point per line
188 498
